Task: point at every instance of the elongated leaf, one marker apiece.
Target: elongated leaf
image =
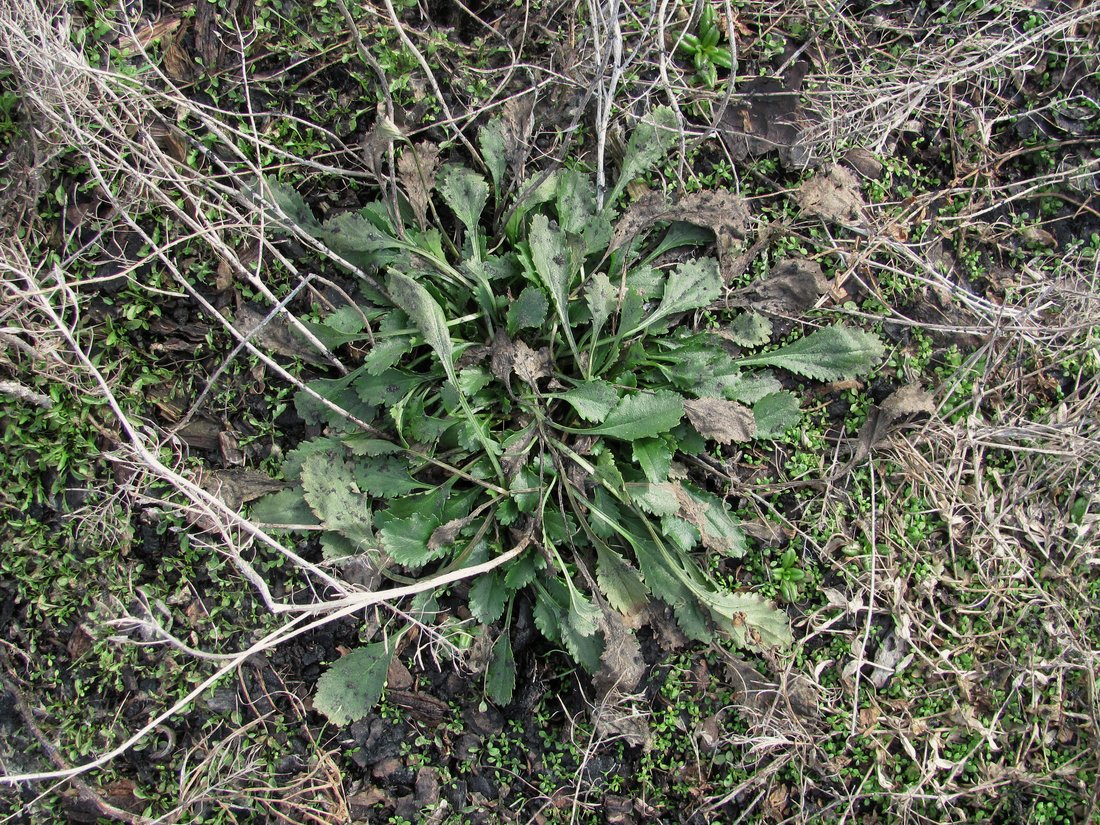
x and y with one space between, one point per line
500 678
648 144
352 686
642 415
488 596
426 314
620 582
466 192
829 354
654 456
494 150
655 499
775 414
710 515
592 400
600 296
331 492
352 232
293 205
550 255
750 620
692 285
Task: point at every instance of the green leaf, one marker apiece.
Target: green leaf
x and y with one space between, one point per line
692 285
488 596
426 314
388 387
523 570
406 539
466 192
528 310
284 507
829 354
711 517
750 329
364 444
340 392
288 199
577 212
584 616
331 492
353 684
601 297
576 201
494 150
334 546
750 620
352 232
592 400
654 456
385 476
655 499
620 582
648 144
550 256
642 415
386 353
500 677
775 414
548 614
680 532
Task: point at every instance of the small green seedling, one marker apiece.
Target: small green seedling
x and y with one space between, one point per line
787 572
705 50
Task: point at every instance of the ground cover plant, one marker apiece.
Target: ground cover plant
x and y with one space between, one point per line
546 423
182 335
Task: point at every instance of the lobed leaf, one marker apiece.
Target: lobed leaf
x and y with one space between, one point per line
466 192
642 415
593 400
353 684
828 354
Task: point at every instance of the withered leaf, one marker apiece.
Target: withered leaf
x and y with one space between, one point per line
446 534
768 116
720 210
881 420
502 355
531 365
833 196
417 168
722 421
793 286
621 664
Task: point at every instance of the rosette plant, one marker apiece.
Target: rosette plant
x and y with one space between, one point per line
534 383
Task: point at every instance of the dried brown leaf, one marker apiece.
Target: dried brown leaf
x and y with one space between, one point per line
722 421
445 534
417 168
722 211
502 355
531 365
833 196
881 420
793 286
